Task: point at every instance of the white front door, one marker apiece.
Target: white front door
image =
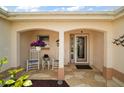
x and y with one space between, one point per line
81 45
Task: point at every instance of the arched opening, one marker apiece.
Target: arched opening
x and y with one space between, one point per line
96 53
91 51
25 37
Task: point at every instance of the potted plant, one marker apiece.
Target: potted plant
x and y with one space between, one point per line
38 44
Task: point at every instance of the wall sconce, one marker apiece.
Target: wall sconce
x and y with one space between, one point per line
119 41
57 42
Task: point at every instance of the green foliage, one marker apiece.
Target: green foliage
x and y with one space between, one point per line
9 82
3 60
1 82
22 81
14 72
24 77
27 83
17 82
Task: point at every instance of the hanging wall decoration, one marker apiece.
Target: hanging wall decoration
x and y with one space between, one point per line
119 41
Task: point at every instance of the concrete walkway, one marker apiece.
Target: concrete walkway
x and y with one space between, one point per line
75 77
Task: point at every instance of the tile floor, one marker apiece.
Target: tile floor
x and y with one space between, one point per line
75 77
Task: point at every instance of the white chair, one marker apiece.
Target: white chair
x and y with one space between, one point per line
55 63
34 60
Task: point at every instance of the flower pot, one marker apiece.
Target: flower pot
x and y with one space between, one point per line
38 48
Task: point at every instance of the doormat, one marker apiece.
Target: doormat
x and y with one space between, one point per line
49 83
83 67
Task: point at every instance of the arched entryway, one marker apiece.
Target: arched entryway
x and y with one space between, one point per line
93 54
94 48
25 37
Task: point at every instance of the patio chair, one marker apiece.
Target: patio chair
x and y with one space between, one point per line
55 63
34 60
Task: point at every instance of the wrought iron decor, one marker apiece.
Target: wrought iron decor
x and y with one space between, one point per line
119 41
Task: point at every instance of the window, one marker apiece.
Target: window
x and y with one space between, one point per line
44 38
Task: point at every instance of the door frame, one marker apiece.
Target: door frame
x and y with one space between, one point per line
75 48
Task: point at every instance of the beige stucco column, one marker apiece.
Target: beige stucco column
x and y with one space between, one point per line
61 56
108 49
107 69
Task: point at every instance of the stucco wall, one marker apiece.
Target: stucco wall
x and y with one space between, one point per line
60 26
5 30
118 51
98 50
63 25
27 37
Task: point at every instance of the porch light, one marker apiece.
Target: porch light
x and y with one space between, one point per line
57 42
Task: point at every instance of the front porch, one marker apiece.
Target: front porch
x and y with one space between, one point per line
74 77
67 51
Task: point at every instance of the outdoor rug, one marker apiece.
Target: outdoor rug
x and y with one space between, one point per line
49 83
83 67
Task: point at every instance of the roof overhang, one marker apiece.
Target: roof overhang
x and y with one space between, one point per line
109 15
3 13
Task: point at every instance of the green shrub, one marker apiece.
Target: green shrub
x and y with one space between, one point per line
22 81
3 61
